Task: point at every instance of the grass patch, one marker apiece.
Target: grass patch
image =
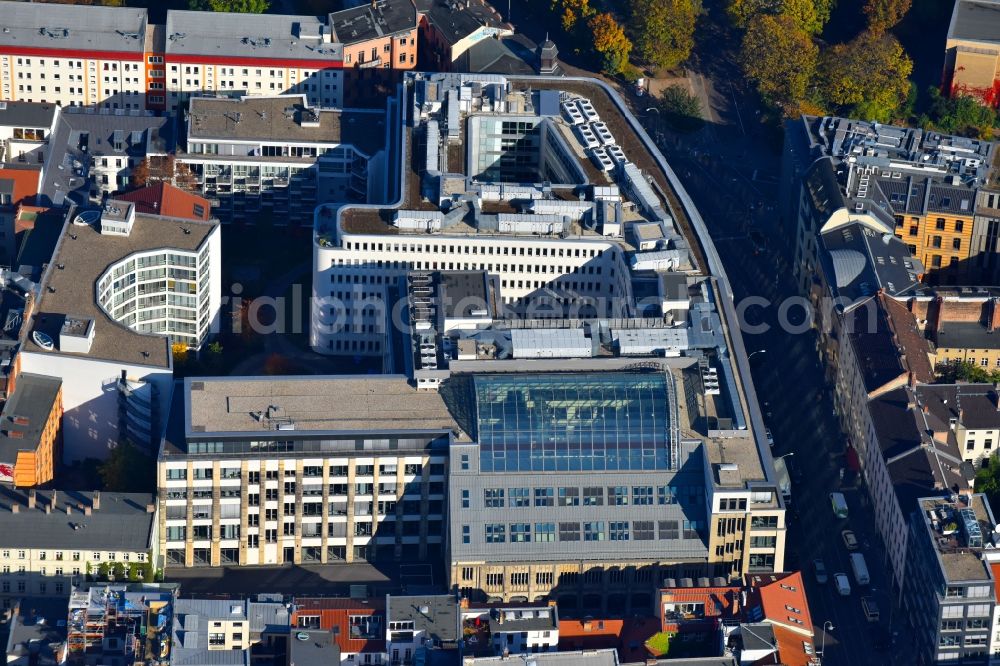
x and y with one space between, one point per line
659 643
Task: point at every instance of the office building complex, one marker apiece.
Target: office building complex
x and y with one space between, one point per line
303 469
952 573
54 538
120 289
277 156
491 177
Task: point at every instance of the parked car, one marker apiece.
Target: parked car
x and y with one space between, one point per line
843 584
869 605
819 568
770 437
850 541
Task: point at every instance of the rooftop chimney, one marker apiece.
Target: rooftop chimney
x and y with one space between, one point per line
994 321
48 508
31 498
96 501
87 510
14 508
69 510
55 497
150 508
927 409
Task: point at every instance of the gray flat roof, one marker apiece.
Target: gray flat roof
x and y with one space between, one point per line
966 335
279 119
373 20
120 524
251 36
33 399
959 562
608 657
348 403
84 254
435 614
72 27
976 20
26 114
312 648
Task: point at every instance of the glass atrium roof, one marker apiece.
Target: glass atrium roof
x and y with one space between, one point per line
573 422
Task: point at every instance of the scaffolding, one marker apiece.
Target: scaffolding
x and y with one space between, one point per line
113 624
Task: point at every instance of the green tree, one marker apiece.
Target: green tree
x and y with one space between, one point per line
681 109
867 77
962 115
664 30
610 42
239 6
883 14
780 58
128 470
988 481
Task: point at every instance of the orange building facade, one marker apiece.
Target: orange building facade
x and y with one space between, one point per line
30 423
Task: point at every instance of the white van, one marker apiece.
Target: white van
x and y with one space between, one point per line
839 504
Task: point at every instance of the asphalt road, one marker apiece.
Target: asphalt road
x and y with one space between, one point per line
718 168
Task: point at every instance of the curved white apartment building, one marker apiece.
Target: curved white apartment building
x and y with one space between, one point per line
162 290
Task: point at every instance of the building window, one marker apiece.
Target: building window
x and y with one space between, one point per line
665 495
520 497
468 573
593 531
956 243
465 499
496 533
618 495
569 531
519 578
939 224
543 578
494 579
669 530
593 496
642 530
545 531
520 532
465 461
618 530
642 495
569 497
544 497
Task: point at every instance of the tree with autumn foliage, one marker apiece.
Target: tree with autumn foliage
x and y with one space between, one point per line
884 14
571 12
780 58
867 77
809 15
164 168
610 42
664 30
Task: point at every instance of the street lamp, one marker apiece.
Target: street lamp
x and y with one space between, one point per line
759 351
827 626
790 453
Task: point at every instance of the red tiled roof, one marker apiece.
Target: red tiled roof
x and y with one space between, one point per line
995 566
25 180
782 599
916 350
791 650
627 636
164 199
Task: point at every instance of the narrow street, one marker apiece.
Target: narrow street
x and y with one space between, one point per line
718 170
